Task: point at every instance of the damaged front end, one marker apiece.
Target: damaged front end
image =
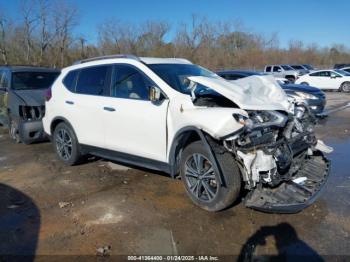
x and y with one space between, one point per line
281 161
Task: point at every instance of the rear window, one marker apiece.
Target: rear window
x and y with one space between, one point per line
286 67
33 80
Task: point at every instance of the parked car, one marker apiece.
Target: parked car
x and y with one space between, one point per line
327 79
308 67
284 71
347 69
171 115
22 102
300 68
311 96
339 66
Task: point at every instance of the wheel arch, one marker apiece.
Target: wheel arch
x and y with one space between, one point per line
184 137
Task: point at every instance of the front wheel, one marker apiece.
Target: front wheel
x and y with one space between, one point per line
14 131
66 144
345 87
202 179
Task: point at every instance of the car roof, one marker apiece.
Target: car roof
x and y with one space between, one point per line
156 60
29 69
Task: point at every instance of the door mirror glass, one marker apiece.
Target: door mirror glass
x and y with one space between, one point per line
154 93
334 75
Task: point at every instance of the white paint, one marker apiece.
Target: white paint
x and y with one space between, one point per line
333 81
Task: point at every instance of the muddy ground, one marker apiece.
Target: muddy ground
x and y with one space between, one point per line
47 208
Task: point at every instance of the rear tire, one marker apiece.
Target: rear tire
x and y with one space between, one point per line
66 144
202 181
291 79
345 87
304 83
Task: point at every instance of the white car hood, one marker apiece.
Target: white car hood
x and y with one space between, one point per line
250 93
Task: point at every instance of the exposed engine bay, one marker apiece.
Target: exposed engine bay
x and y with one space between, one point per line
280 159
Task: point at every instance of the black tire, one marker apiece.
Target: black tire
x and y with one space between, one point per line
345 87
66 144
14 130
304 83
224 195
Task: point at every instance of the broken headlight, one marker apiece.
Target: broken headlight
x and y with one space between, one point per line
29 113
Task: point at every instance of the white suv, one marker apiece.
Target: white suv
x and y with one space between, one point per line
177 117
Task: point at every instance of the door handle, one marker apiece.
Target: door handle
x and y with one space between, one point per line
70 102
110 109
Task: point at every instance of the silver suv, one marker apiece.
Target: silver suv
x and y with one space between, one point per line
283 71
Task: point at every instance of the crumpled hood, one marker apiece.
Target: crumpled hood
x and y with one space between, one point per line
32 97
250 93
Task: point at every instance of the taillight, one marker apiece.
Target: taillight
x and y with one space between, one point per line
48 94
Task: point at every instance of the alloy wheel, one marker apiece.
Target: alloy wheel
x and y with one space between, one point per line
346 87
200 177
64 144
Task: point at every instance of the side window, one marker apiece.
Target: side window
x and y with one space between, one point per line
268 69
128 82
233 77
334 74
3 79
92 80
277 69
70 80
315 74
325 74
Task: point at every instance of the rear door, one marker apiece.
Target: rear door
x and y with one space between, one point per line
84 105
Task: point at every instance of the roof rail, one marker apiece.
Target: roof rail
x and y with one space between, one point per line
106 57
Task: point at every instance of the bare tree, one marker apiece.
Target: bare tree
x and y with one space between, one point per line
65 19
29 23
3 39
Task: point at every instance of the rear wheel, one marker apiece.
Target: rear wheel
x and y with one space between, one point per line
345 87
304 83
202 179
291 79
14 131
66 144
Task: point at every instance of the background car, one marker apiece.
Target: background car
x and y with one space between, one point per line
300 68
311 96
347 69
284 71
327 79
338 66
22 100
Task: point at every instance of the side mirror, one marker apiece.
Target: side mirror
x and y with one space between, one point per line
154 93
334 76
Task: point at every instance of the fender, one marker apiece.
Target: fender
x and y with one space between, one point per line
184 133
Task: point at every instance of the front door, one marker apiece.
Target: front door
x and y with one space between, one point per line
133 124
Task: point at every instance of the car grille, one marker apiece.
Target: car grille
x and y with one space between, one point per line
29 113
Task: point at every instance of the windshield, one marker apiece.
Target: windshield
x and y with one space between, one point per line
33 80
298 67
342 72
287 67
176 75
309 67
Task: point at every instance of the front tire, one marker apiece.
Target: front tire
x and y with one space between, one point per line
345 87
66 144
14 131
202 181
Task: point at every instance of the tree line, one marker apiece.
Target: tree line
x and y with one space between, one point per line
44 35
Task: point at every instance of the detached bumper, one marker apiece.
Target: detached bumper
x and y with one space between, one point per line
292 197
31 131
